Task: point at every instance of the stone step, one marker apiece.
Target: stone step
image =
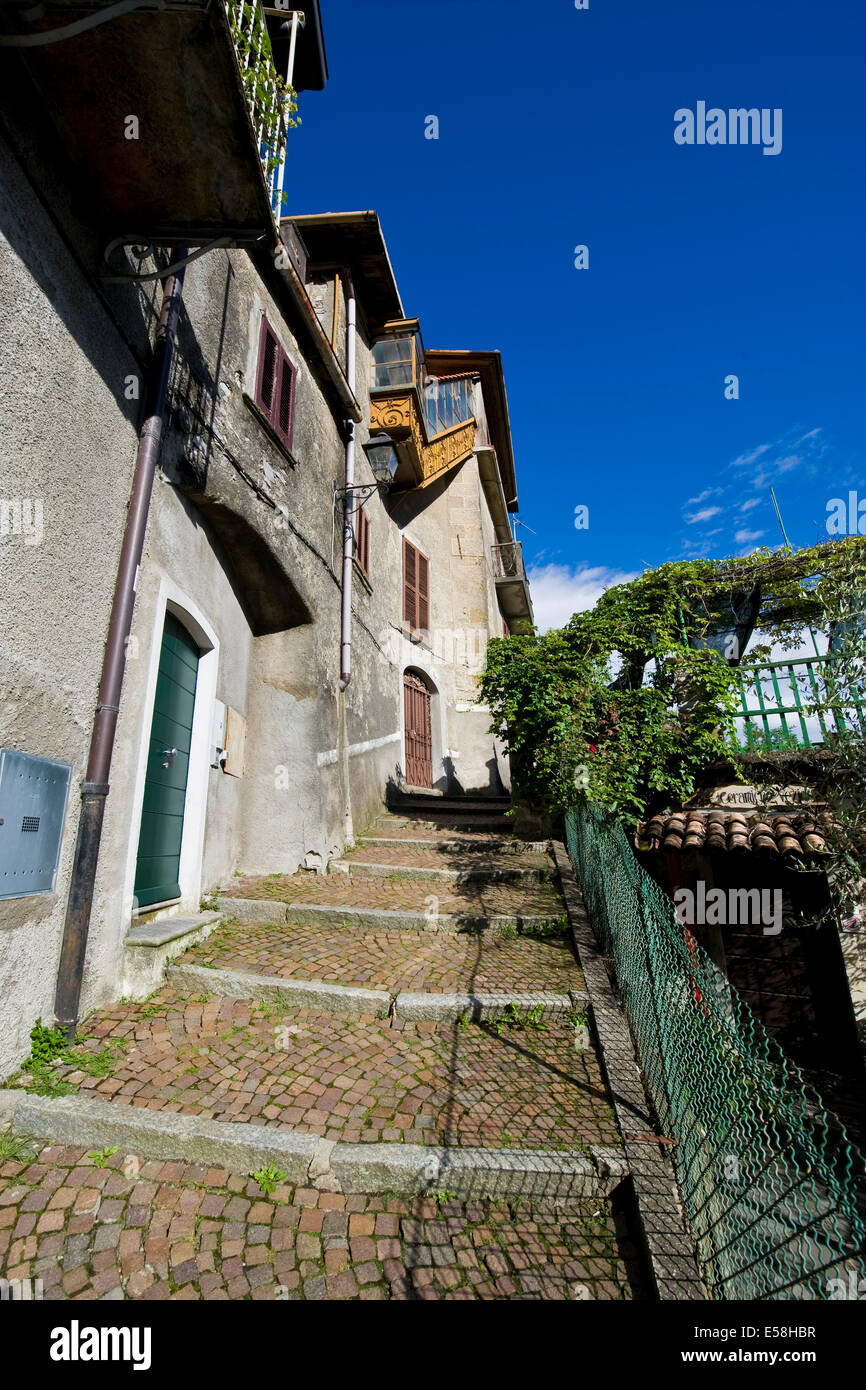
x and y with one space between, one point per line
523 1089
299 994
464 846
514 1080
412 1007
149 946
394 962
404 1169
494 825
357 868
450 805
386 919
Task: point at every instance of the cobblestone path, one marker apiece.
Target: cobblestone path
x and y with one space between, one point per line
111 1225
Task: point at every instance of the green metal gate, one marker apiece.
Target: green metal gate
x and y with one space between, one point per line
158 865
773 1187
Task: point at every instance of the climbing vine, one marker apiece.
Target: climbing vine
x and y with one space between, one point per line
629 702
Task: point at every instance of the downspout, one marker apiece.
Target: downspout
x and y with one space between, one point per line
348 552
95 788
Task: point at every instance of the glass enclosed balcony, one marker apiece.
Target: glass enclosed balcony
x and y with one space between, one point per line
447 403
397 361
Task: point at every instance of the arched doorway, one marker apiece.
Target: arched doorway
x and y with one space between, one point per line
418 725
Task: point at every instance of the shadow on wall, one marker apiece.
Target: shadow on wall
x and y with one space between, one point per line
449 784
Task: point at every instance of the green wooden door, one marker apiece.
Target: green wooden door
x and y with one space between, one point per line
157 869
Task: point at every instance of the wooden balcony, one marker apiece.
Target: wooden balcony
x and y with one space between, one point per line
397 411
169 120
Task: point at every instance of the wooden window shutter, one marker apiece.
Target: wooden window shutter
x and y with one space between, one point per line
286 402
410 606
416 589
362 541
423 592
266 385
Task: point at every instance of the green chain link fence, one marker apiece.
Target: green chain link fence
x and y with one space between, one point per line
771 1183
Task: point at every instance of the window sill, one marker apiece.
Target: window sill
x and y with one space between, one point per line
269 430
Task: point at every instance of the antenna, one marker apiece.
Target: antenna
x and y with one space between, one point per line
781 522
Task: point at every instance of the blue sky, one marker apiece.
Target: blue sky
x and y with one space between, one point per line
556 129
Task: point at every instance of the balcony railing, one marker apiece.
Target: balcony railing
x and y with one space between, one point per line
266 100
508 561
796 704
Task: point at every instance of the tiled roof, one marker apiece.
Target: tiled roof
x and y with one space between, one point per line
786 834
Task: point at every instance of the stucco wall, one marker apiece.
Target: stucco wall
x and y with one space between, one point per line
67 448
230 505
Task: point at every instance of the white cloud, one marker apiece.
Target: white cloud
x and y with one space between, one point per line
744 537
558 591
701 497
786 464
752 502
751 456
705 514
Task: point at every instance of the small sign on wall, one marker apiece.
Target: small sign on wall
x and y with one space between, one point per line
235 743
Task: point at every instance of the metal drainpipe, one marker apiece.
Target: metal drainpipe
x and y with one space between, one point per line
348 550
95 789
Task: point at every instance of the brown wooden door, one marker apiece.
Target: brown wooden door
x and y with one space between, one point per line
419 732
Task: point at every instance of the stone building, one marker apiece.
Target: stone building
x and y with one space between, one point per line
327 546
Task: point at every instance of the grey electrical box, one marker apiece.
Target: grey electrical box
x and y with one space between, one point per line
33 796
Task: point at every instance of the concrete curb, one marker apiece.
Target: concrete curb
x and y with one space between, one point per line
444 1008
380 918
356 868
156 1134
456 846
407 1169
349 999
251 909
302 994
668 1248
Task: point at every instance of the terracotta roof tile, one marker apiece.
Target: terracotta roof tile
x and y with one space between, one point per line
788 833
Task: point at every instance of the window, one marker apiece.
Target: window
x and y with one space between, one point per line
275 385
416 589
447 403
362 542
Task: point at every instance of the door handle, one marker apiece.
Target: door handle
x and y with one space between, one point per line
169 754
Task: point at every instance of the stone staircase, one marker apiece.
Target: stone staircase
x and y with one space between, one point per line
414 1018
414 1022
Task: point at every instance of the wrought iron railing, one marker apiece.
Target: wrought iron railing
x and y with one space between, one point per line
772 1185
508 561
797 703
266 98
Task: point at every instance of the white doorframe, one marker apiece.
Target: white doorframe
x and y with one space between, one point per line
171 599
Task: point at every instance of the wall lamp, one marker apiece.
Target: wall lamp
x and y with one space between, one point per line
384 462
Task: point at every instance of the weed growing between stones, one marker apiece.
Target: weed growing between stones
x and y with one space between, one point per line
269 1178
